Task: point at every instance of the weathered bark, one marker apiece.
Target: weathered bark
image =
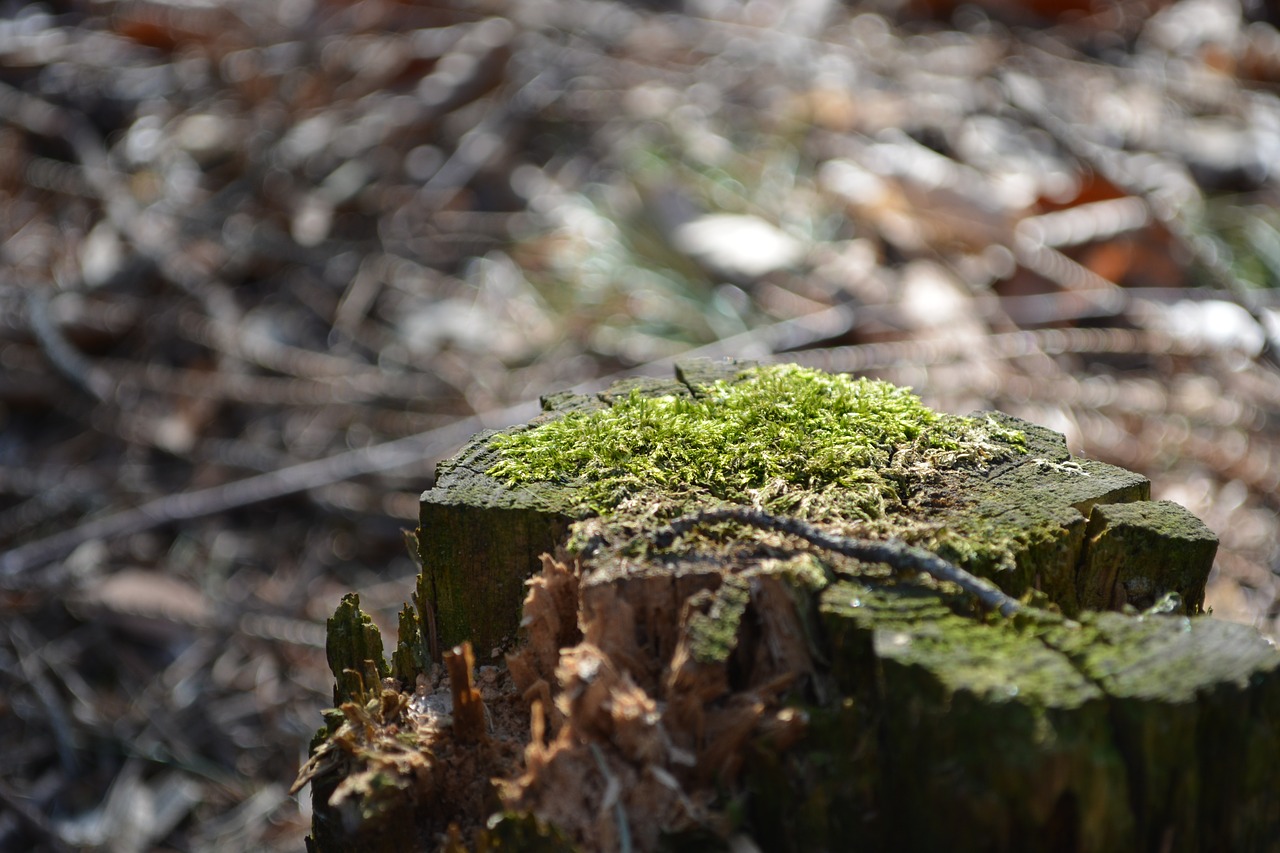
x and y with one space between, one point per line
479 539
764 685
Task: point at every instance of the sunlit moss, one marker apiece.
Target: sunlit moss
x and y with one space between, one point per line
784 437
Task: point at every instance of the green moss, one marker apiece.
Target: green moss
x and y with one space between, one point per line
524 832
353 646
714 634
411 656
791 439
803 572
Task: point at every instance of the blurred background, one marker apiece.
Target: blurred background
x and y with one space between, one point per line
263 264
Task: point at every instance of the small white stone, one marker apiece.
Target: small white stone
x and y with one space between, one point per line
741 246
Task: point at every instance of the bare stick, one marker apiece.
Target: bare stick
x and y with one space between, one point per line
898 555
50 120
61 354
31 816
15 564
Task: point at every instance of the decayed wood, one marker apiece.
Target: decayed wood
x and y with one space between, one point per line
817 697
468 707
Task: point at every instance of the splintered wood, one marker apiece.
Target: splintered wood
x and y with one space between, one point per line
468 708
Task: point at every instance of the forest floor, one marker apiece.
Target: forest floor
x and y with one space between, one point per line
263 264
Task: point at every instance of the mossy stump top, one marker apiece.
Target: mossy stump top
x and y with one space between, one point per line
1000 497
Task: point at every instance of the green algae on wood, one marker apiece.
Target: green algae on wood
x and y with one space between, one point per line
478 540
1194 703
980 725
1024 528
353 647
411 655
1137 553
1044 733
713 634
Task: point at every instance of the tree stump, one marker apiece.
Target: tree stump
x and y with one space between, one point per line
771 603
